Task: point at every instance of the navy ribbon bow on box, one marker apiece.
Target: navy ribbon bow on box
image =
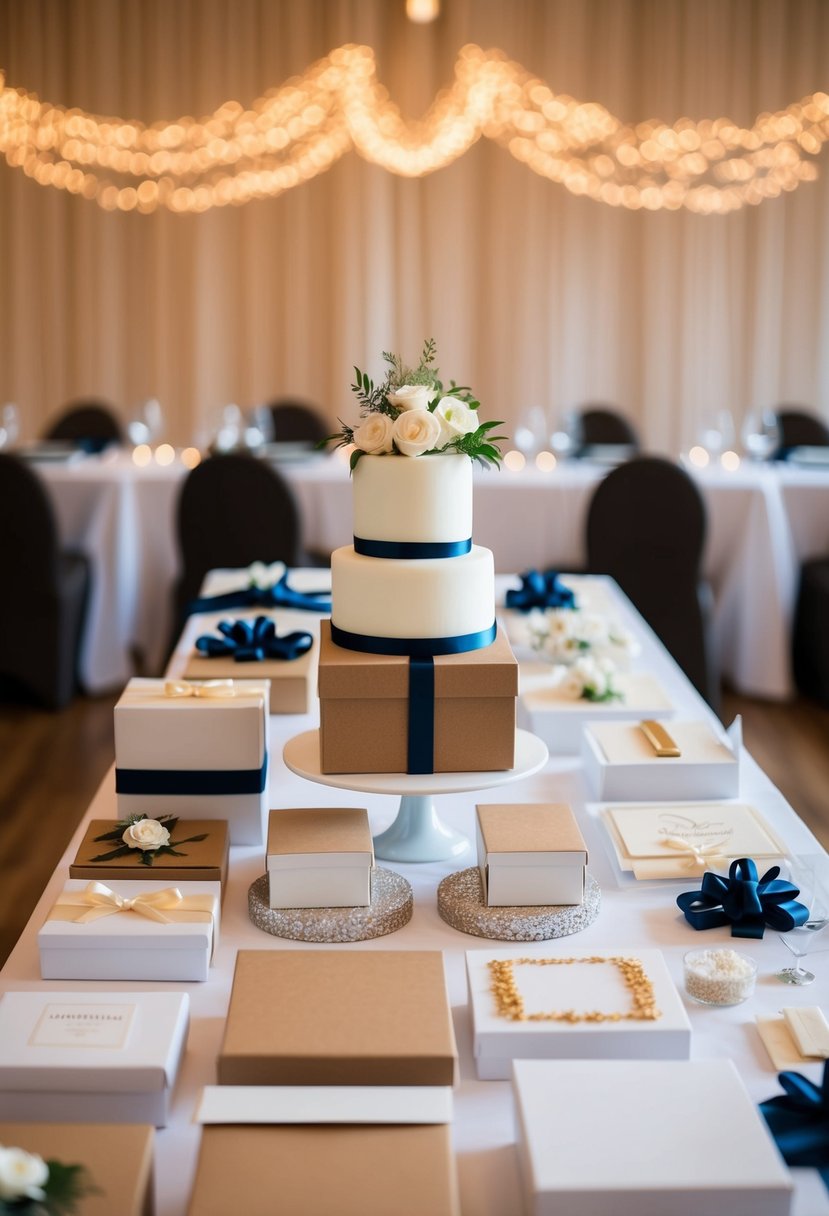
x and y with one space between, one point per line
799 1120
743 901
540 589
253 641
279 595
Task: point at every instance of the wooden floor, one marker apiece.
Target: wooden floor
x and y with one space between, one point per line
51 765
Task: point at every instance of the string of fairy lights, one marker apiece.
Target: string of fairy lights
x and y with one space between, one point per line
297 131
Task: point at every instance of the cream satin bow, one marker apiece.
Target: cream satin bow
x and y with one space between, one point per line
696 855
100 900
209 689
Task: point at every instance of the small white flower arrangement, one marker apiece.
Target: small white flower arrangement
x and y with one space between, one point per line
564 635
148 837
410 413
30 1186
588 679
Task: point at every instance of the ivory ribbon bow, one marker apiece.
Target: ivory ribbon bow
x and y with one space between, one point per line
97 900
696 855
209 689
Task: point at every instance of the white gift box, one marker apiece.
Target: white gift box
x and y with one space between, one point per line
559 720
320 857
644 1138
530 855
497 1040
96 1057
203 756
127 945
622 766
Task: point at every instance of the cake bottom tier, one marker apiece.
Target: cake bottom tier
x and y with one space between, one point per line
431 598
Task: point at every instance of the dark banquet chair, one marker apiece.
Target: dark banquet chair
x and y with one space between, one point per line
601 426
810 645
646 528
90 425
233 510
43 605
296 421
799 428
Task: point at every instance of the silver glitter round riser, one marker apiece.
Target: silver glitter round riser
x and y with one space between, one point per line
390 909
461 905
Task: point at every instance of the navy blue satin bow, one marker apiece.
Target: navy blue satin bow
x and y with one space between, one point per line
253 641
540 589
799 1120
743 901
280 595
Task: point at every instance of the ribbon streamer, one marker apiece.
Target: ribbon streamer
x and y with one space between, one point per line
696 855
540 589
279 595
799 1120
743 901
254 641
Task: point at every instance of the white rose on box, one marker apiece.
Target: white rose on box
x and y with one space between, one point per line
375 434
411 396
455 417
22 1175
416 432
146 834
571 684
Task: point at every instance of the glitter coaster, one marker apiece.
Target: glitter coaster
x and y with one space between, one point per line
390 909
461 905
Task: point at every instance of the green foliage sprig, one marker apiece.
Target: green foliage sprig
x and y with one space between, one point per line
146 856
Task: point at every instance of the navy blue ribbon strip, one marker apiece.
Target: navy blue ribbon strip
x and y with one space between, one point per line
744 901
280 595
540 589
410 550
201 782
799 1121
253 641
421 735
413 648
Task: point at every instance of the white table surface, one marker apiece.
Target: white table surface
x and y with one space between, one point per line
640 916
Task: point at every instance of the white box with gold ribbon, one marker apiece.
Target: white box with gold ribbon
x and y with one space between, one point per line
198 750
130 930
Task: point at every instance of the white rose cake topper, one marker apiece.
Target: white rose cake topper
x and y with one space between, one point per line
410 413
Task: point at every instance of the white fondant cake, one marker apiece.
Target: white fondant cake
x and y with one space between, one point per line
420 499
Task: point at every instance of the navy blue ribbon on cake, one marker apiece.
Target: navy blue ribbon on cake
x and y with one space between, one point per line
410 550
744 901
280 595
413 648
540 589
253 642
173 782
799 1121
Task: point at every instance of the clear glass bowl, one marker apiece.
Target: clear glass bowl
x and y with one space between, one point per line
719 976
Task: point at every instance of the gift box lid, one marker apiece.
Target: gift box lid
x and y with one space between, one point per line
364 1017
132 930
529 834
319 836
621 743
193 860
117 1159
91 1042
352 675
158 731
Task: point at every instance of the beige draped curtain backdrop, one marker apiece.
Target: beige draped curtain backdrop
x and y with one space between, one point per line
535 297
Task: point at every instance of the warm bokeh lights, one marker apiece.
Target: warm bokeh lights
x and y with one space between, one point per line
299 129
514 461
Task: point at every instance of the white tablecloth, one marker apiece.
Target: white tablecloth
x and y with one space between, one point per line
630 919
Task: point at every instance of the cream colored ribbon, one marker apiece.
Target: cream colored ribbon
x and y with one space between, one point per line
97 900
209 689
696 855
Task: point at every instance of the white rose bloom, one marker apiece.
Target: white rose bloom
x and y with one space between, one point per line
416 432
146 834
412 396
375 434
571 684
593 628
455 417
262 575
22 1175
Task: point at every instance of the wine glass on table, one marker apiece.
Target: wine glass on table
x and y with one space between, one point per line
810 937
9 425
566 437
760 434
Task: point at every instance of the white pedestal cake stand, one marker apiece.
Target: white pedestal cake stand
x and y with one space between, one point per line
417 833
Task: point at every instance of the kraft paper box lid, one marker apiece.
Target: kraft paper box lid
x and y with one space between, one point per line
156 731
364 1017
352 675
526 828
91 1042
326 1171
118 1160
199 860
317 835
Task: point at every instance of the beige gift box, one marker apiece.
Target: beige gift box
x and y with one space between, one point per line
200 860
319 857
292 681
530 855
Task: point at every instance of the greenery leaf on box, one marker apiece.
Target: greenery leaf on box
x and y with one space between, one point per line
152 838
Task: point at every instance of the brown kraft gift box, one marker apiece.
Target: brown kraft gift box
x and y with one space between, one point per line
326 1171
200 860
292 680
364 709
363 1017
118 1161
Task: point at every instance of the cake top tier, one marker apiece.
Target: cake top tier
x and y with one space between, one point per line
413 501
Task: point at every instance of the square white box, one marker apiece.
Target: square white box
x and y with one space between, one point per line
319 857
90 1057
644 1138
497 1040
621 766
128 945
559 720
530 855
206 757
